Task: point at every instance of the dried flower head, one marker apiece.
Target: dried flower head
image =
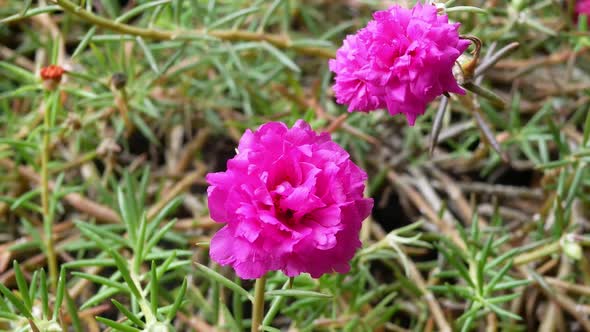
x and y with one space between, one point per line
119 80
292 200
402 60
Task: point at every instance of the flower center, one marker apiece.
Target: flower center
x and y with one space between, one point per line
286 216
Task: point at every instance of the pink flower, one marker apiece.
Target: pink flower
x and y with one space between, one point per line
402 60
583 7
292 200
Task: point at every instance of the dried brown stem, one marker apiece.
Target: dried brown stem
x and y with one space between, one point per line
426 209
79 202
181 186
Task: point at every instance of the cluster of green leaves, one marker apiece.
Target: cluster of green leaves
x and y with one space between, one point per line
483 270
140 238
29 309
127 248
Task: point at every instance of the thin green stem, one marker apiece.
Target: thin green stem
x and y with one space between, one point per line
487 94
87 157
537 253
227 35
276 304
258 309
47 218
150 317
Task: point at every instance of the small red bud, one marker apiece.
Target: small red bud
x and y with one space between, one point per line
52 72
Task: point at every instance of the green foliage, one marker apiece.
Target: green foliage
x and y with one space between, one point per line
156 93
28 308
483 271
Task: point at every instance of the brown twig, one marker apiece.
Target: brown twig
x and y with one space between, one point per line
181 186
195 144
433 305
483 188
426 209
79 202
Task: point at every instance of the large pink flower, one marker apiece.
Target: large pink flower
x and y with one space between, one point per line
292 200
402 60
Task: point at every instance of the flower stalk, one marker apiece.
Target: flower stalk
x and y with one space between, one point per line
47 217
118 82
258 308
496 100
538 253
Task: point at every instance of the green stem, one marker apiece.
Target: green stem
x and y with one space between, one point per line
537 253
485 93
227 35
147 312
47 218
276 305
144 305
258 309
87 157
